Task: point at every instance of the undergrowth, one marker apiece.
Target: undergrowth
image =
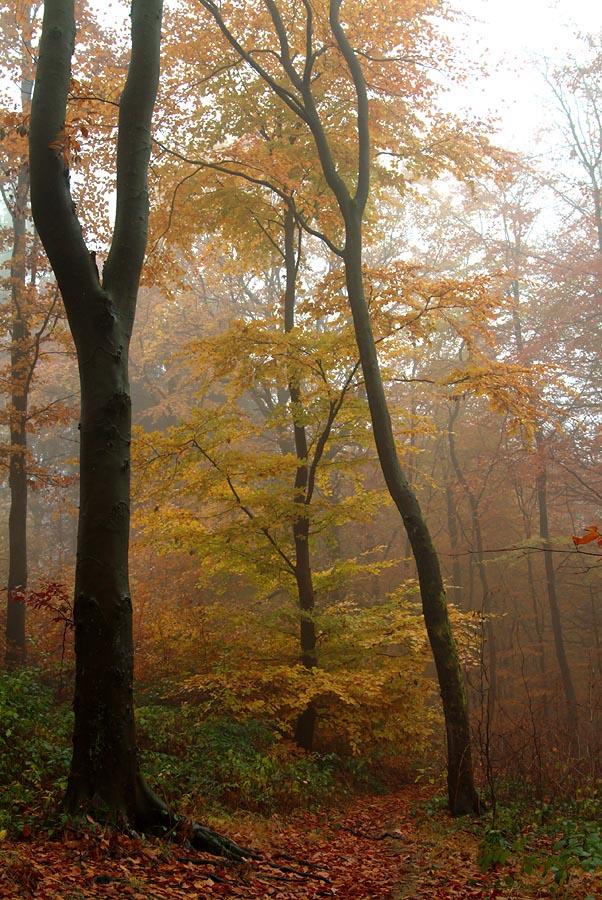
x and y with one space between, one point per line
35 748
557 837
233 764
213 764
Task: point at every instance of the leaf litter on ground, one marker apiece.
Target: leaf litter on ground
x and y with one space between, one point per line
377 847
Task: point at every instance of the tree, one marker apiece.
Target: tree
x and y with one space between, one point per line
16 201
104 774
32 316
576 90
303 93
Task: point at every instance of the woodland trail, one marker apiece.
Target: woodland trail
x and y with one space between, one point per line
386 848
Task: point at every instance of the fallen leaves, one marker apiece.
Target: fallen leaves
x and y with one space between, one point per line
379 847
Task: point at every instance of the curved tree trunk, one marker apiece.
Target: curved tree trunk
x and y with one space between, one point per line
463 797
300 99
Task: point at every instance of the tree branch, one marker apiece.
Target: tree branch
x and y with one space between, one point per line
52 206
363 127
126 256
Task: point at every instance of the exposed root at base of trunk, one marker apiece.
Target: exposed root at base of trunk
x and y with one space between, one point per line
203 838
145 813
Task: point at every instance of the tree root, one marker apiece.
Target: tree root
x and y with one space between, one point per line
298 872
203 838
156 818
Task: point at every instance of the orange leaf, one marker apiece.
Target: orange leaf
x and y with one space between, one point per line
591 534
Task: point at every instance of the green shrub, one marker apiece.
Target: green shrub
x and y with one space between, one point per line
34 748
495 850
190 762
553 838
241 765
579 847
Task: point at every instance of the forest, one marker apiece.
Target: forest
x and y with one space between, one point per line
300 452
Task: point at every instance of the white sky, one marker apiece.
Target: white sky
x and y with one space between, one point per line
514 38
510 36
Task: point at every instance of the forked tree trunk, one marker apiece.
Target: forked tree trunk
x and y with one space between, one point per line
300 98
104 775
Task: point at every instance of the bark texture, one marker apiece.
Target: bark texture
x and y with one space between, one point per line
104 774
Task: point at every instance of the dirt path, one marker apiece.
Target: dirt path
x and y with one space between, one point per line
379 848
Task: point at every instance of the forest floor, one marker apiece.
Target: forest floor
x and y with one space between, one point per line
381 847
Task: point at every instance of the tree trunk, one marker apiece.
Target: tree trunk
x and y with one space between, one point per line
463 797
302 102
20 376
17 478
104 776
104 769
541 492
473 505
452 528
306 721
572 715
537 619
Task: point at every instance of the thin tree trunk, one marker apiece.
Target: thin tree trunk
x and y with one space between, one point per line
20 377
302 102
541 492
411 470
473 506
572 715
463 797
452 528
533 591
17 479
306 721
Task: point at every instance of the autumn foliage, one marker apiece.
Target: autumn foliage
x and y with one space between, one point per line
272 578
